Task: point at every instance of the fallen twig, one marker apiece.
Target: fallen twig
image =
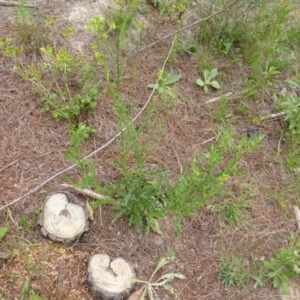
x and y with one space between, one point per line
273 116
9 165
85 192
218 98
207 141
11 3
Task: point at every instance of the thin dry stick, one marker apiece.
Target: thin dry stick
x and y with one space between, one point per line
10 3
97 150
85 192
218 98
274 116
9 165
207 141
181 169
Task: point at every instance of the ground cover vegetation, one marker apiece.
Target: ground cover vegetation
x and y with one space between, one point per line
258 40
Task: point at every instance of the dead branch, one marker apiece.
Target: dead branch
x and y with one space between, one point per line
85 192
9 165
218 98
273 116
11 3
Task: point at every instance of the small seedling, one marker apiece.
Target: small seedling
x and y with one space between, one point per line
284 265
163 281
208 76
232 213
165 80
291 108
271 72
233 272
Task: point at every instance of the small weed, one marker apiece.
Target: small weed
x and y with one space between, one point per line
233 272
220 111
170 8
291 107
164 81
32 33
52 79
284 265
257 273
163 281
28 293
141 198
208 175
206 59
292 160
231 212
206 82
24 222
188 45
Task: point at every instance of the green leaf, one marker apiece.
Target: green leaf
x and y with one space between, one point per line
276 282
215 84
200 82
296 269
206 75
293 82
213 73
154 225
285 285
172 78
152 86
161 89
205 89
3 231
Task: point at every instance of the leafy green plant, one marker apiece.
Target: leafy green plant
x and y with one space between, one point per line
220 111
231 212
141 198
270 72
62 67
31 32
284 265
140 192
187 46
257 273
207 77
292 158
233 272
208 175
28 293
170 7
119 24
164 81
291 108
52 79
163 281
